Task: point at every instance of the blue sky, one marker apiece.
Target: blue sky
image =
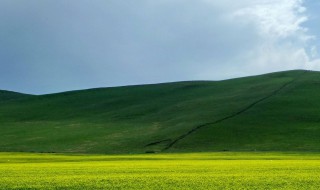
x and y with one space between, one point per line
51 46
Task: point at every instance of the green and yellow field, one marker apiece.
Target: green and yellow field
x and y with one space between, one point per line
160 171
277 112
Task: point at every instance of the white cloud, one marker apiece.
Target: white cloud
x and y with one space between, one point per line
283 40
277 19
314 52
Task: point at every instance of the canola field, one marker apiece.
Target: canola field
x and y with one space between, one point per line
160 171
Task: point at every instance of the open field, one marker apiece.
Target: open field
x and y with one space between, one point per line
160 171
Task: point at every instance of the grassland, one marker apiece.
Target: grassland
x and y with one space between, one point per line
272 112
160 171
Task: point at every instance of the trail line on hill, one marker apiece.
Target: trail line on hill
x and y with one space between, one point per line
275 92
157 142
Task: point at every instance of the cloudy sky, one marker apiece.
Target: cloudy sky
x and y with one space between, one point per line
57 45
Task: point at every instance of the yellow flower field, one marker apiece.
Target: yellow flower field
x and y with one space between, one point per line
160 171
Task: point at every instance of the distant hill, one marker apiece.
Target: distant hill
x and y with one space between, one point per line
272 112
8 95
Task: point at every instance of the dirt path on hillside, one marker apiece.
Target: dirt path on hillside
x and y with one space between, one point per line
275 92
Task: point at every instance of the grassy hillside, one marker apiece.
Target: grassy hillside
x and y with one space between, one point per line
8 95
278 111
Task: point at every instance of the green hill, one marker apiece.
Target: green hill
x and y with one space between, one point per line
272 112
8 95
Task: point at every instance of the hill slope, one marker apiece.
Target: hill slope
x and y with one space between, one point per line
8 95
273 112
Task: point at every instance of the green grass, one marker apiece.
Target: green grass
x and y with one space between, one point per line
124 120
160 171
6 96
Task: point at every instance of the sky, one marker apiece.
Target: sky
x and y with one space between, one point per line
49 46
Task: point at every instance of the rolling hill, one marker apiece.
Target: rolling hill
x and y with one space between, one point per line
272 112
8 95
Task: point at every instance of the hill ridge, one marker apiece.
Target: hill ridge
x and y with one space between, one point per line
6 95
151 84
